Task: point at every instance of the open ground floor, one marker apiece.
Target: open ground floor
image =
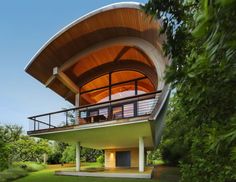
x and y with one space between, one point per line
119 162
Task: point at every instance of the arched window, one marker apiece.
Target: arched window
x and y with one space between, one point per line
115 85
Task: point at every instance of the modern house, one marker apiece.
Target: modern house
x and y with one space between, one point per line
110 65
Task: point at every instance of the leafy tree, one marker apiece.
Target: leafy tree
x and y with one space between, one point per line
173 146
29 149
11 133
90 155
15 146
69 154
201 43
55 157
101 159
8 134
3 151
86 154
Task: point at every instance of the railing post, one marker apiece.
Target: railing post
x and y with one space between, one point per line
135 108
136 102
122 111
109 112
49 119
79 116
66 118
34 124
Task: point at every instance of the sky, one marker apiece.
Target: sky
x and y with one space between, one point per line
24 27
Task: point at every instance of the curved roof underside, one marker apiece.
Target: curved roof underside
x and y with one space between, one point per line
110 22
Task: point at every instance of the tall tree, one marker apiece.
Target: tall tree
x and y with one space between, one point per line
3 151
8 134
11 133
201 42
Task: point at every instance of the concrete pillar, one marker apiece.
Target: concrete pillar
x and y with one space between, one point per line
77 105
141 154
78 156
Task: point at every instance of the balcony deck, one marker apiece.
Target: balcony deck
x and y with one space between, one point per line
123 110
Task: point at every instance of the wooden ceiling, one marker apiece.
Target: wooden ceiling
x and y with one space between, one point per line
106 55
84 33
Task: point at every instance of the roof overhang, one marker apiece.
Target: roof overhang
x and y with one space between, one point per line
101 34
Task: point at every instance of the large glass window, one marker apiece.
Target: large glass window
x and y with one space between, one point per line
122 90
115 86
95 96
96 83
144 86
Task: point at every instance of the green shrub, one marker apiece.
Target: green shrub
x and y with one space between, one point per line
30 166
101 159
69 154
55 158
153 157
12 174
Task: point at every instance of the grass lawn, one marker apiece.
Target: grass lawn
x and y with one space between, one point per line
47 175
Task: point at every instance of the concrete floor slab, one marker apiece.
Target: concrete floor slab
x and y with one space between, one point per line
111 173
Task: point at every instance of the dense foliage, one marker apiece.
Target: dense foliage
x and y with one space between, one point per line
15 146
201 42
29 149
154 157
8 135
86 154
55 157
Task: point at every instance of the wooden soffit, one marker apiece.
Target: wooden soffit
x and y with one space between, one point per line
113 21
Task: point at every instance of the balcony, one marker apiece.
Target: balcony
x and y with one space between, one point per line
134 107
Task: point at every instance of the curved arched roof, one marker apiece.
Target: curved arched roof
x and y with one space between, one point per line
103 36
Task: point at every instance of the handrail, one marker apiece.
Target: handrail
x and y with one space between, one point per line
43 122
128 107
92 105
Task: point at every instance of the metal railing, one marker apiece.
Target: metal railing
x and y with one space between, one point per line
128 107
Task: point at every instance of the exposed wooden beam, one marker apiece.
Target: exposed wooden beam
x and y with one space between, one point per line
131 65
50 80
121 53
66 80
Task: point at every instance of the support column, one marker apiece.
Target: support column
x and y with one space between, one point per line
141 154
78 156
77 99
